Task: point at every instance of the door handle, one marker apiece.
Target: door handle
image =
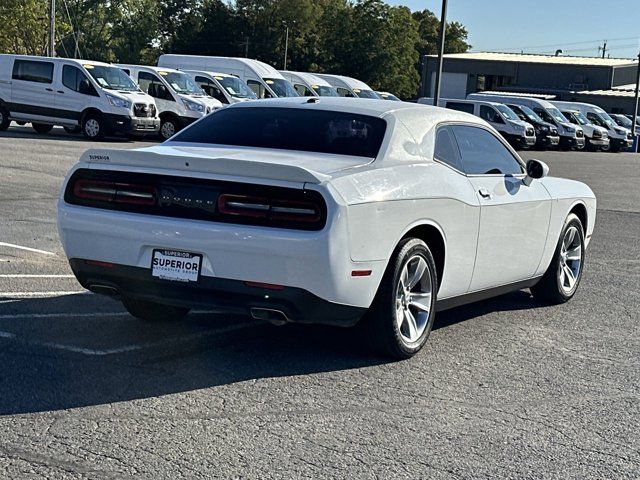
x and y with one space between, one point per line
484 193
49 89
60 91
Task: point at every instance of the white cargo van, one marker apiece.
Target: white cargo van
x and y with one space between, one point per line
518 133
571 136
620 138
348 86
223 87
597 137
179 100
80 95
309 84
263 79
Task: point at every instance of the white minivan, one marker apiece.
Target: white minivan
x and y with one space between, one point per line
620 138
349 86
309 84
180 101
597 137
571 136
518 133
263 79
223 87
80 95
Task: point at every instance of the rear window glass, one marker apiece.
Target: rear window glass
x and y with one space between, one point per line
306 130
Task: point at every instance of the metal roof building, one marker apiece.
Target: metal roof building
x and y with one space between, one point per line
566 78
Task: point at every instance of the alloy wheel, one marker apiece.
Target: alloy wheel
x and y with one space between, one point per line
570 260
413 299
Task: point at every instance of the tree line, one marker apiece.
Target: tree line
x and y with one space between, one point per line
367 39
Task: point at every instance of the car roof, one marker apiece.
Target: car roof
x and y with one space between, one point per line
349 81
57 59
310 78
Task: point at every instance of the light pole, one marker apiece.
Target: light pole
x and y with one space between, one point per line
52 28
443 20
635 109
286 41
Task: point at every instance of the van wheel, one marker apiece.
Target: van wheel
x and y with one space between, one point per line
168 128
93 127
152 311
42 127
402 313
72 130
4 119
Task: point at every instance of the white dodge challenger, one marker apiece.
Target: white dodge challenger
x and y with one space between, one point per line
328 211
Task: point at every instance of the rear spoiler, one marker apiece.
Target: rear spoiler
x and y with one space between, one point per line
215 165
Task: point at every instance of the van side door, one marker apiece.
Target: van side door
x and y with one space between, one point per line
32 94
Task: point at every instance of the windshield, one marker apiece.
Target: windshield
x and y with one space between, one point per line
235 87
607 119
507 112
281 87
582 120
623 121
324 91
182 83
321 131
555 113
366 93
111 78
530 114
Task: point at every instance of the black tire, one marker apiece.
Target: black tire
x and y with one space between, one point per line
168 124
4 119
550 289
152 311
72 130
93 126
21 123
42 128
385 335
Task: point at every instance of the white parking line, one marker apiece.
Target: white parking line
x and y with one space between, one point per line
44 294
25 275
28 249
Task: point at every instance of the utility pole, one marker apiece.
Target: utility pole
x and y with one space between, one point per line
52 28
443 20
604 49
635 109
246 47
286 46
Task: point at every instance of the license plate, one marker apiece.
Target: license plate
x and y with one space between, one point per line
175 265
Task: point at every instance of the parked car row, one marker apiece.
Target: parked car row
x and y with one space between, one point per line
533 122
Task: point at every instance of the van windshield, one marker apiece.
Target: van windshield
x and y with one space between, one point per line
623 121
325 91
555 113
111 78
182 83
307 130
281 87
507 112
582 120
235 87
607 119
366 93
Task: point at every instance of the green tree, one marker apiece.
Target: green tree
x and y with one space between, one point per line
429 31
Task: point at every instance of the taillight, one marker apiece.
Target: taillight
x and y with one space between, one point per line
274 209
102 191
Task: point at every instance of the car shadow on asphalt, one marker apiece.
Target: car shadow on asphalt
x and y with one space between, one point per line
60 135
101 362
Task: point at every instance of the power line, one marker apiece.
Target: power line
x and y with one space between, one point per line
553 45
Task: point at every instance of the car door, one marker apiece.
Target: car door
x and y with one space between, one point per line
74 93
32 96
514 218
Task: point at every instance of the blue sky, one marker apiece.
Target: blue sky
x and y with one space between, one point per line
577 27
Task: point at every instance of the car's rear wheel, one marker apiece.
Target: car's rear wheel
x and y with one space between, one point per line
402 314
4 119
153 311
560 282
42 127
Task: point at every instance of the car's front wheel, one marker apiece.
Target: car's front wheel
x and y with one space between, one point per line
402 314
560 282
153 311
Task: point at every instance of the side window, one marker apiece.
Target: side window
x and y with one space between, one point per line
32 71
460 107
343 92
518 112
596 120
211 89
258 89
542 113
152 85
483 154
446 149
303 91
74 79
490 115
570 117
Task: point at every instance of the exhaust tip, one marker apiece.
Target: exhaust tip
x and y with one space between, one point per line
104 290
275 317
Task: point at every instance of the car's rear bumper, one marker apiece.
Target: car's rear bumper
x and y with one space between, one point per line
294 304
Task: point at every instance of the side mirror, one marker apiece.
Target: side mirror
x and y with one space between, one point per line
535 170
85 87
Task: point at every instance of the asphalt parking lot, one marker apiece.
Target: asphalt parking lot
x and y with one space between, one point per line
506 388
